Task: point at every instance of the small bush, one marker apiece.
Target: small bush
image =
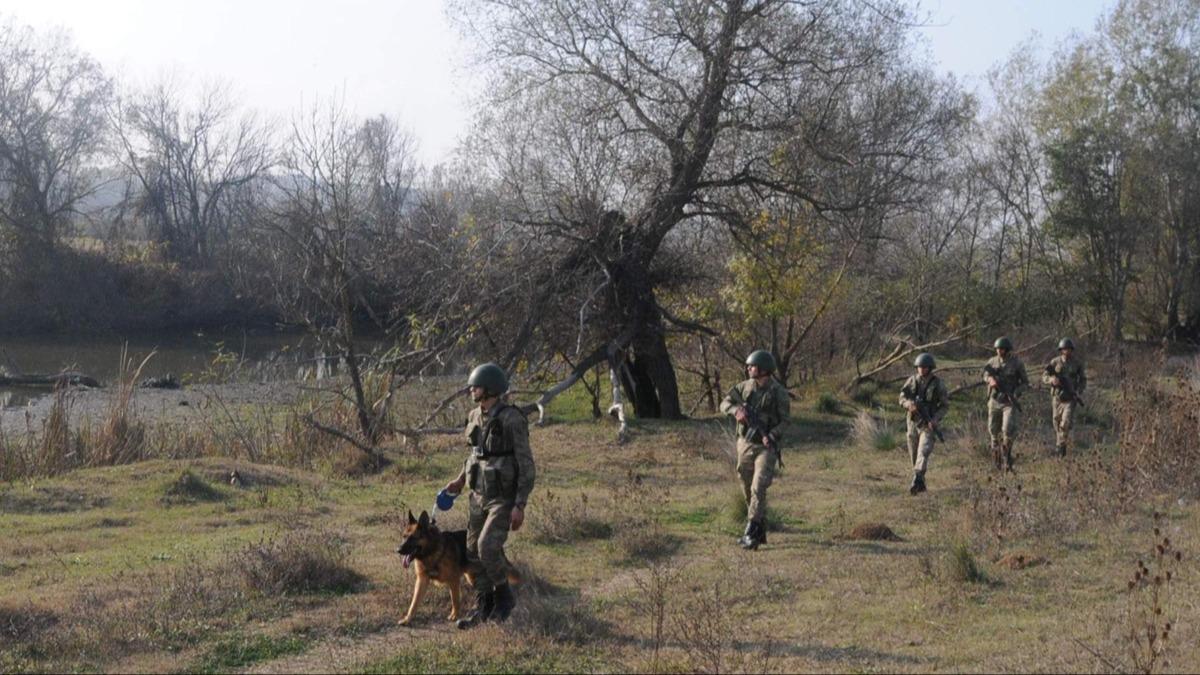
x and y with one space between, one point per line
735 512
826 403
353 462
190 488
303 561
864 394
547 611
961 565
563 520
869 433
20 625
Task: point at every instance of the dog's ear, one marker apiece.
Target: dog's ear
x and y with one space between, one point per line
424 522
411 520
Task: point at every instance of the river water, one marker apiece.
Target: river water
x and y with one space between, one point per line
189 357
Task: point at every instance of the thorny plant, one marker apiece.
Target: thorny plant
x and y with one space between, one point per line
1148 623
1149 604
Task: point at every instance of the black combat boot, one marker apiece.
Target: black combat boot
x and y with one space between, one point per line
762 532
504 603
998 456
1008 457
485 605
1061 450
918 484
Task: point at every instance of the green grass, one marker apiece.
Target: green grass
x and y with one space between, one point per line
245 650
425 658
80 543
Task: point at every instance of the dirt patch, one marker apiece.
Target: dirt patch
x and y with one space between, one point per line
872 532
1019 560
49 500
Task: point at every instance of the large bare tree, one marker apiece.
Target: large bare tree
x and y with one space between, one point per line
188 158
617 124
52 100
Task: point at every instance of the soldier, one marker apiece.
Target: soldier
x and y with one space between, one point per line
1067 380
1006 379
925 397
500 473
760 405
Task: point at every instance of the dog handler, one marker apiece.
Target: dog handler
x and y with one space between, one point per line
500 473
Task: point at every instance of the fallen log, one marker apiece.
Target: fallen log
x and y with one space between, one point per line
64 379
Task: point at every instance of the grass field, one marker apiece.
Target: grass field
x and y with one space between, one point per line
629 554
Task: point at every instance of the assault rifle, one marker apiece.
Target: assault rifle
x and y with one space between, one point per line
1002 388
924 419
1066 386
755 426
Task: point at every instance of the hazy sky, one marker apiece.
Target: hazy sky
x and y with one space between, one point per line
401 57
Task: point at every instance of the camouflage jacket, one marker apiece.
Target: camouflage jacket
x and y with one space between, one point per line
505 471
1071 370
930 390
1012 376
770 402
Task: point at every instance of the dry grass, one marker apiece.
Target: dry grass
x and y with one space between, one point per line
300 561
869 433
565 520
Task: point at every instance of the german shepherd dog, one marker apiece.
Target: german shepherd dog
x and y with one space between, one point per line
440 557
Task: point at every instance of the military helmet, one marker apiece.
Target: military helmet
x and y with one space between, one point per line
761 358
489 376
925 360
1066 343
1003 343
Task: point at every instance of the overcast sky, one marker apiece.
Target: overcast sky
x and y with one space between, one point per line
401 57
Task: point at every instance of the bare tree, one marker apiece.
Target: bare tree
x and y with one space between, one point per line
52 100
616 122
188 159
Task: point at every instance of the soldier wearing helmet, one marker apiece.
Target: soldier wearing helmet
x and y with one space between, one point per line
500 473
1006 379
926 399
1067 380
761 399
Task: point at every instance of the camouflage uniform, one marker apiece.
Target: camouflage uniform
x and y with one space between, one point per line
1003 416
500 474
1062 407
756 462
932 391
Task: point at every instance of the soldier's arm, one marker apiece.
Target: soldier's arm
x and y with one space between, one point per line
517 429
1048 374
906 393
732 401
943 401
783 408
1022 380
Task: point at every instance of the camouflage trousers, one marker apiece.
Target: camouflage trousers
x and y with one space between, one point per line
1064 418
1003 423
756 468
487 530
920 446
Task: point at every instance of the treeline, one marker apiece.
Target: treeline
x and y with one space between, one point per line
647 187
